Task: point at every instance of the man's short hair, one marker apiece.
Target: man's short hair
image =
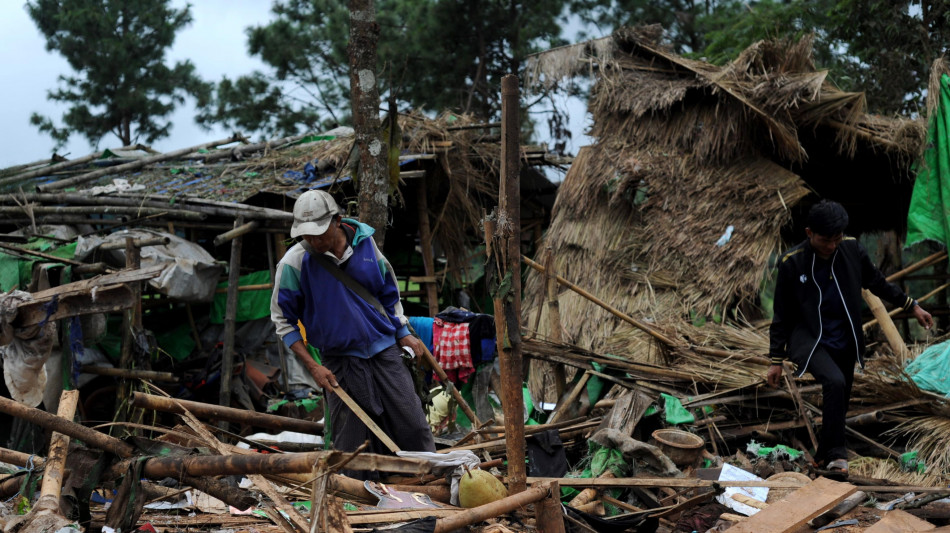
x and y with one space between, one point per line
827 218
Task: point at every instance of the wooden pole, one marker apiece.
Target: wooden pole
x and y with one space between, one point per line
938 291
131 323
554 317
425 242
508 306
430 360
493 509
89 176
227 355
361 414
228 414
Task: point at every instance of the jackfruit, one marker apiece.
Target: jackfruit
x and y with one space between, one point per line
478 487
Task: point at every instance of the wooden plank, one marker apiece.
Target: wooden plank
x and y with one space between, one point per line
798 508
357 518
898 521
106 300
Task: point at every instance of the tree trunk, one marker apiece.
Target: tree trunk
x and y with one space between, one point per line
364 95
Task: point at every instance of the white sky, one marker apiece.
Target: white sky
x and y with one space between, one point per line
215 42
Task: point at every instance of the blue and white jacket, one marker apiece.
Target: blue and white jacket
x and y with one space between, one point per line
336 319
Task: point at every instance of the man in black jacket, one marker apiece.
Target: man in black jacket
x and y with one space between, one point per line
817 317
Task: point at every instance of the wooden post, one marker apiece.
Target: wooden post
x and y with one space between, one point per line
554 316
493 509
507 252
281 349
425 242
227 356
131 323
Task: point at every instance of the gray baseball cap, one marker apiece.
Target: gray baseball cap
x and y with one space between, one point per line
313 212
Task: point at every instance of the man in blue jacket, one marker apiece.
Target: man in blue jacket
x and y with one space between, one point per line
816 322
360 337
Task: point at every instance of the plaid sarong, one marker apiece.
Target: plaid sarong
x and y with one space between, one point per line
453 349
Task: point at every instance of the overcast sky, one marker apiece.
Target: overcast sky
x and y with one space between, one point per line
215 42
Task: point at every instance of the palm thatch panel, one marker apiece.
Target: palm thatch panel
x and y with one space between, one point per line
686 150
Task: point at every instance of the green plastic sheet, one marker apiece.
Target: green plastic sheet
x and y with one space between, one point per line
931 369
675 412
251 304
928 217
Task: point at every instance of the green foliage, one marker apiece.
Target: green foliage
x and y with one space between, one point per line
435 55
122 84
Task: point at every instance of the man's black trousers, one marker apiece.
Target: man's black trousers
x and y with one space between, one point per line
834 370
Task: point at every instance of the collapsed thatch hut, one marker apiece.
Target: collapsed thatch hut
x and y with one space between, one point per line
674 212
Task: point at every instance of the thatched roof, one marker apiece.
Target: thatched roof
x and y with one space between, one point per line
686 150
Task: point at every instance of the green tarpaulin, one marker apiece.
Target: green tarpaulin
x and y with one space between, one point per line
929 214
251 305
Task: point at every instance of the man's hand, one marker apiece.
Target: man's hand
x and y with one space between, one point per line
323 376
774 377
923 317
413 342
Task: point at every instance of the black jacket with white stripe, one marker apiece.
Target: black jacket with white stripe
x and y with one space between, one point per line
796 322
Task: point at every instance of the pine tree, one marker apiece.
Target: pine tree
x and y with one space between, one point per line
122 83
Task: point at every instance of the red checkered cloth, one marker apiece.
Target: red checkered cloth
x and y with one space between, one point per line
452 349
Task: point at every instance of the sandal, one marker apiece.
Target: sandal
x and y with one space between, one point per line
838 466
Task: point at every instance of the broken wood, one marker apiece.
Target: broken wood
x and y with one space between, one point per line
797 508
568 402
549 516
898 521
230 414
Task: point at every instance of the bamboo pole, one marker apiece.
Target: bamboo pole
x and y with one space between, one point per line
227 356
896 310
89 176
494 509
554 317
136 243
49 170
609 308
46 420
52 485
923 263
508 306
887 325
224 209
230 414
238 231
569 401
102 210
129 373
